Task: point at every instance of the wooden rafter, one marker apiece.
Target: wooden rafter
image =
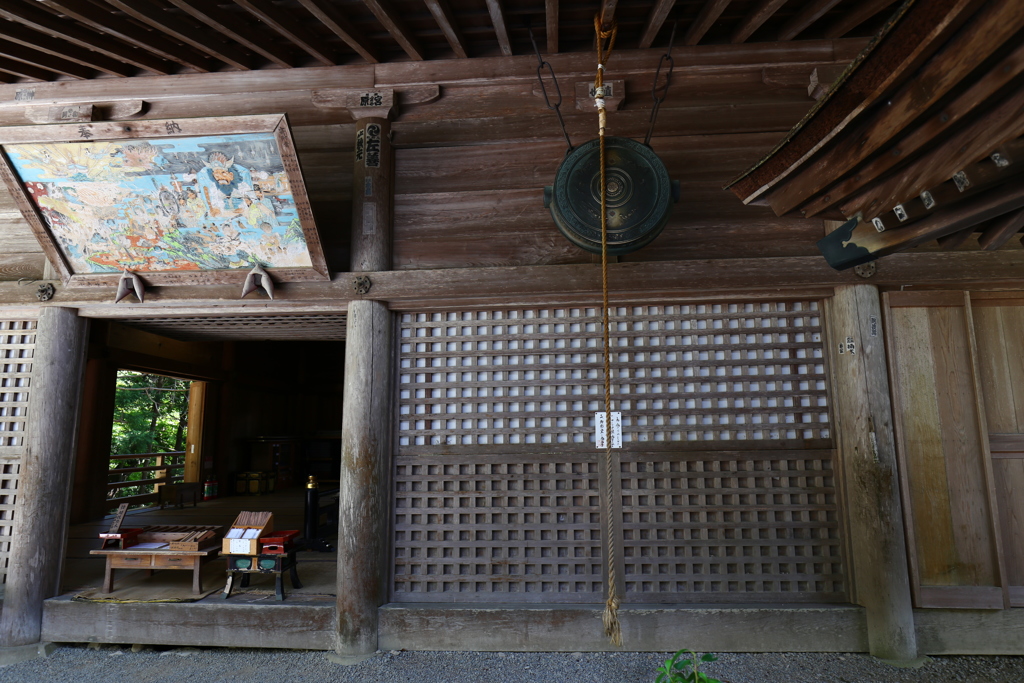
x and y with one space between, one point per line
1001 230
442 14
282 22
933 81
113 25
551 23
756 19
13 66
387 16
61 29
655 20
709 14
22 35
253 37
938 124
159 19
500 31
857 16
44 60
807 16
607 12
954 240
333 19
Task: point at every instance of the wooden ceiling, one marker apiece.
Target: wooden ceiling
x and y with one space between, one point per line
49 40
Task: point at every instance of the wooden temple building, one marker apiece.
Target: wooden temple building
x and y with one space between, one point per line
331 216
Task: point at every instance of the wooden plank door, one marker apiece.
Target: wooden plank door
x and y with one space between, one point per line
999 328
947 479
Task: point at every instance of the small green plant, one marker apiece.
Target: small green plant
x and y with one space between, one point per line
678 670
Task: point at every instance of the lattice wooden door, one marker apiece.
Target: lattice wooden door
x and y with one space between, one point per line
17 347
726 481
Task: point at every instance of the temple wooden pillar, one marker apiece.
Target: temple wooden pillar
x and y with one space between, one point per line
40 528
867 455
366 424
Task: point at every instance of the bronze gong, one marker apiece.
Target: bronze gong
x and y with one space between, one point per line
639 200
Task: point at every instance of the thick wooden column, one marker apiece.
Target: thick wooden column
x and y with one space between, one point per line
41 524
364 489
868 459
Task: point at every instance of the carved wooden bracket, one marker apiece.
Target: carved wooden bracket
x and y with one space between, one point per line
82 112
375 102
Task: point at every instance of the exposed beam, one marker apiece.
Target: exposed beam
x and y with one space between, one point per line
943 74
1001 230
22 35
755 19
500 31
608 12
708 16
62 29
279 20
45 61
655 20
442 14
24 70
387 16
807 16
253 37
160 19
954 240
857 16
551 25
333 19
109 23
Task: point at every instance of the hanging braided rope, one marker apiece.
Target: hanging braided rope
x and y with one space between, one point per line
612 628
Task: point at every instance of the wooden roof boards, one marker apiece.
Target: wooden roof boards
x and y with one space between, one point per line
931 99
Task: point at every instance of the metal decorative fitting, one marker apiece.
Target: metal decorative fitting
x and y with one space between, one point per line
901 212
362 284
45 291
879 225
865 270
999 160
927 199
258 278
128 283
961 180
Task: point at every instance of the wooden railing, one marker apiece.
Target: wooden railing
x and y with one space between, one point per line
167 468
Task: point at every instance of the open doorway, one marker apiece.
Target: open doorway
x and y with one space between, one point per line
148 439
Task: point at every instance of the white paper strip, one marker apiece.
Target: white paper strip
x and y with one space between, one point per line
239 546
616 429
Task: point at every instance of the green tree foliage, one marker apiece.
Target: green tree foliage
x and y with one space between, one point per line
150 416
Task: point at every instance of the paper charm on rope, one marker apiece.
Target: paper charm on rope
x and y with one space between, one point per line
130 282
258 277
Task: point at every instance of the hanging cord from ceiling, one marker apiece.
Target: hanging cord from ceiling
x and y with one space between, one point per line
655 90
541 64
605 43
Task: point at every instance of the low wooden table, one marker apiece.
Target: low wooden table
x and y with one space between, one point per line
151 559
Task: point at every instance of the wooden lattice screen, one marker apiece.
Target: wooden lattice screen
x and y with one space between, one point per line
17 346
496 419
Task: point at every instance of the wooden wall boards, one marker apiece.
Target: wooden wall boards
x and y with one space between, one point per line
186 201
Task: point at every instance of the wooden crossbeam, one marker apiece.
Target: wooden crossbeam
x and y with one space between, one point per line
762 13
808 15
45 61
1001 230
500 30
954 240
709 14
857 242
19 34
282 22
203 41
333 19
61 29
551 24
108 23
941 75
253 36
387 16
954 113
442 14
863 11
655 20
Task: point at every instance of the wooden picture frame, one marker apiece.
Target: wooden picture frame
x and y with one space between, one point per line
84 189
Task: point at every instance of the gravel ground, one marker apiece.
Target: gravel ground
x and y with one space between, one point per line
80 664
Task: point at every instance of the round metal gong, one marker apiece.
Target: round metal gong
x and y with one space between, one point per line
639 199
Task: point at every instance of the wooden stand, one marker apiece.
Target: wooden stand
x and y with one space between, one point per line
152 559
266 563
